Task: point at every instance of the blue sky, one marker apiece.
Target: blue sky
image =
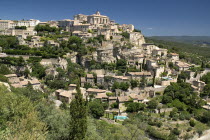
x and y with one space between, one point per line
153 17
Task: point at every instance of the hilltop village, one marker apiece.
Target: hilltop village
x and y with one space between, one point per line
109 62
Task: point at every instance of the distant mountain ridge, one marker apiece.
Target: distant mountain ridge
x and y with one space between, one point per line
201 40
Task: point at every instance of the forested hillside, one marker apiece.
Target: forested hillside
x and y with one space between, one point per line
196 40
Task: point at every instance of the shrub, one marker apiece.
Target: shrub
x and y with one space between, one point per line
3 78
192 122
114 105
176 131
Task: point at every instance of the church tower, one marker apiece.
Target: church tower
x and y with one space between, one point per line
98 13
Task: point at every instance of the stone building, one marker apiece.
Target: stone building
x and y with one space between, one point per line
67 24
100 79
199 85
81 18
6 24
81 27
64 95
159 52
174 57
105 54
151 64
35 42
182 65
9 24
139 75
126 27
19 32
90 79
137 38
97 18
27 23
94 92
120 79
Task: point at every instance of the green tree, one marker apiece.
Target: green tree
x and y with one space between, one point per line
121 65
19 119
58 121
114 105
135 107
152 104
96 108
174 112
143 82
4 69
206 90
166 99
183 76
124 86
192 122
134 83
78 120
3 78
206 78
116 85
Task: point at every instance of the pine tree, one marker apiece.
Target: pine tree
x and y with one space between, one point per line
78 112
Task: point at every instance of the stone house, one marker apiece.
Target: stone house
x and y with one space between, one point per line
51 71
148 92
139 58
3 55
199 85
158 71
72 87
112 100
12 78
35 42
49 62
100 79
53 43
35 84
148 48
90 79
64 95
82 81
174 57
159 52
151 64
182 65
94 92
82 34
102 96
120 79
121 100
20 82
139 75
81 27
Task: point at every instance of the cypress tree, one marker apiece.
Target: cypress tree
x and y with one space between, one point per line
78 113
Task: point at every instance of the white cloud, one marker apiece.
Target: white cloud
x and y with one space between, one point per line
149 28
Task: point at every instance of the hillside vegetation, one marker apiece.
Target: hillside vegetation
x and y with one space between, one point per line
196 40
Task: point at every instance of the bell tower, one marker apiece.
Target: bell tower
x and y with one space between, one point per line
98 13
